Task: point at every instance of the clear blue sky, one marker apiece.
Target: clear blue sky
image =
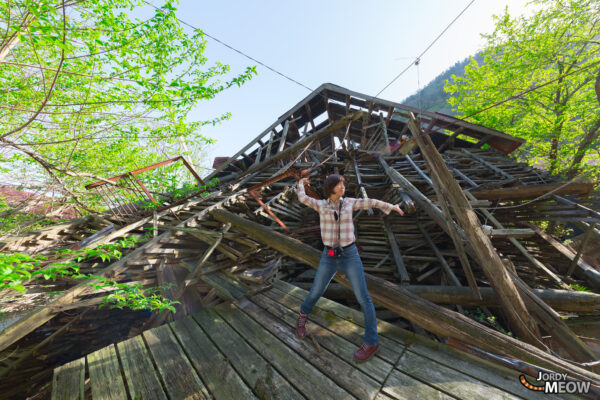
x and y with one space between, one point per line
356 44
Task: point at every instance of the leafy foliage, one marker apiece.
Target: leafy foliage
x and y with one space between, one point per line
135 297
561 120
90 88
16 269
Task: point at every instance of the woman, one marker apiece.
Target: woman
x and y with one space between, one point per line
337 233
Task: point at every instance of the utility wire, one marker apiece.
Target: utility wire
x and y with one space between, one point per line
427 49
236 50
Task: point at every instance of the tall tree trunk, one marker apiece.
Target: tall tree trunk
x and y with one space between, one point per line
591 135
554 148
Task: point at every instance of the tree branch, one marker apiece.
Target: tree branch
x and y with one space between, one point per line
62 59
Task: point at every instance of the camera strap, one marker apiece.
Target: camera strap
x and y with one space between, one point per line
339 244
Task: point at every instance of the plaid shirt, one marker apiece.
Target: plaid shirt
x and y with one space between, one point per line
329 226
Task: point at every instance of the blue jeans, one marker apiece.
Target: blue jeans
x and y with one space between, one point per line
352 266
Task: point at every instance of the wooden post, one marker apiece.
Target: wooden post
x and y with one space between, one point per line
584 242
434 318
502 280
447 188
404 278
452 229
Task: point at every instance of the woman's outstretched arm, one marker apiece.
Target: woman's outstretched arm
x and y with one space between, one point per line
306 200
363 204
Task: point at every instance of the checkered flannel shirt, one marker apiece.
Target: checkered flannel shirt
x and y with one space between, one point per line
329 226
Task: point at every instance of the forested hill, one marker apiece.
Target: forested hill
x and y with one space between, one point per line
433 97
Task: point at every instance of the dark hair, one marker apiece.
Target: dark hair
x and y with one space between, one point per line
330 182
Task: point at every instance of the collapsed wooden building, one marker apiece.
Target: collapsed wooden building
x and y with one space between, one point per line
467 263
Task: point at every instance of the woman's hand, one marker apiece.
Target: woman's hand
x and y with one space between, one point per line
303 181
398 209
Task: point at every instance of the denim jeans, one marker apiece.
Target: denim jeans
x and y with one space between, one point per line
352 266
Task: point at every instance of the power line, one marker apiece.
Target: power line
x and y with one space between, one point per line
425 51
238 51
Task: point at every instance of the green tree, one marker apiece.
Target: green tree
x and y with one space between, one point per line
94 88
558 43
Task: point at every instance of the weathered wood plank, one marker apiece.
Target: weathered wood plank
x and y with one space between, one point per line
142 381
486 371
106 380
384 329
376 368
349 330
532 191
448 380
309 380
214 369
67 382
250 364
402 386
339 369
181 381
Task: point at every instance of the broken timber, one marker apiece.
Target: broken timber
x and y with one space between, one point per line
432 317
500 277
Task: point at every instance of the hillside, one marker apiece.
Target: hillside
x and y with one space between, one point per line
432 96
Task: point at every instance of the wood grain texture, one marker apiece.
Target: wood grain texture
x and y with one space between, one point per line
181 381
310 381
214 369
67 382
250 364
336 365
105 374
142 380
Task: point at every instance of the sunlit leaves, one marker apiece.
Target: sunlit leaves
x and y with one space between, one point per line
129 78
560 121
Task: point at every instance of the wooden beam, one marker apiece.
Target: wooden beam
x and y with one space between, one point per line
448 189
533 191
522 249
197 268
440 257
286 127
419 171
271 139
584 242
561 300
450 139
483 141
488 164
363 140
434 318
303 142
585 270
451 227
402 272
511 233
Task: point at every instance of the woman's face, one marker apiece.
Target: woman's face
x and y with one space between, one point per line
339 189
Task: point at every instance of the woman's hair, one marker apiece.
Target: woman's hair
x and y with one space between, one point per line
330 182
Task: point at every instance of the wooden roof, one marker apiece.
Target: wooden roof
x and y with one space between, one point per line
332 129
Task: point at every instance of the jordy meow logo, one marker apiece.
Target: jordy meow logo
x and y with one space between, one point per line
556 383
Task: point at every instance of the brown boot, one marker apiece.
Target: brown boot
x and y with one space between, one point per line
365 352
301 327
